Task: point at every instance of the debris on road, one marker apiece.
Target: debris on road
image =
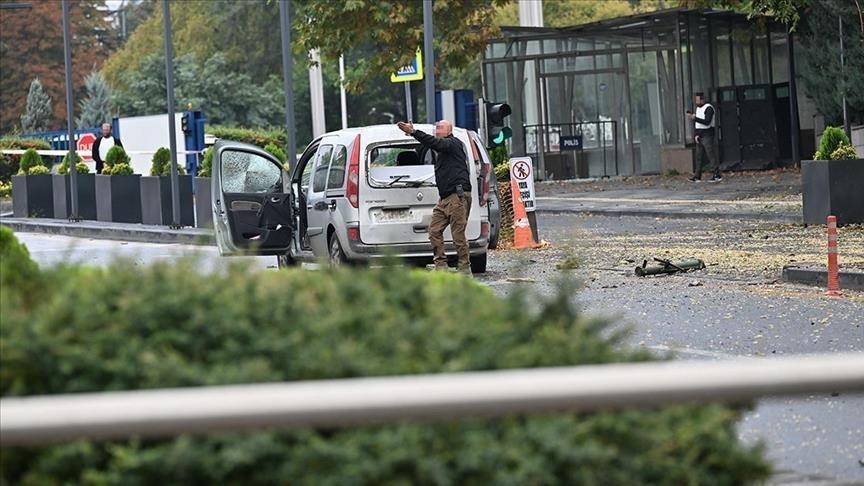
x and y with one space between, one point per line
669 267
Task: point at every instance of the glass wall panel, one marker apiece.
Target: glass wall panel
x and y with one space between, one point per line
700 56
667 79
741 38
646 119
779 58
723 66
760 59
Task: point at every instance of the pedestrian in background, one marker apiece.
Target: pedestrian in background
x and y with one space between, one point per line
102 145
706 140
454 192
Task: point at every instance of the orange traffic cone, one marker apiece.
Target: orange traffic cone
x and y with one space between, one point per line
522 235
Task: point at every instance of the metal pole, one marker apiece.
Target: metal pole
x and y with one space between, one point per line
419 398
172 135
846 126
409 112
288 80
429 57
316 94
70 112
794 122
342 92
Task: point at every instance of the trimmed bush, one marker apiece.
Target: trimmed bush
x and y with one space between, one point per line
5 189
161 160
832 139
29 160
206 163
10 164
258 137
502 171
116 155
844 152
276 151
80 166
120 169
169 325
38 170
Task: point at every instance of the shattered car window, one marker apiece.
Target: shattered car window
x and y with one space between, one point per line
246 172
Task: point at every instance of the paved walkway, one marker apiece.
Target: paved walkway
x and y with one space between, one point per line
763 195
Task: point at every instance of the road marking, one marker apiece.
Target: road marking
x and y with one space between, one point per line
664 201
697 352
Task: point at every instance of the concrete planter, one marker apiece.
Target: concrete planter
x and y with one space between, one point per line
32 196
86 196
156 207
832 187
203 202
118 198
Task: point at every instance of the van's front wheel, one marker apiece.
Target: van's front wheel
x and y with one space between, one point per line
286 261
478 263
337 256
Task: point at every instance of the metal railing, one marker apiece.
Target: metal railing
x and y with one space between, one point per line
597 136
361 401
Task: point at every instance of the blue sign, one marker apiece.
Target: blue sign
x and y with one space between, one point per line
411 72
570 142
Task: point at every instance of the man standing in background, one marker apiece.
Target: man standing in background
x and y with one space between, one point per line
706 139
102 145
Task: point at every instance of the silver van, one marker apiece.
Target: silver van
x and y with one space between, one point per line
354 195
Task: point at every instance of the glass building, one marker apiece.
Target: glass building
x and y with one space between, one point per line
624 85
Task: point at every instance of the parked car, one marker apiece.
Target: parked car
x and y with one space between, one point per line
354 195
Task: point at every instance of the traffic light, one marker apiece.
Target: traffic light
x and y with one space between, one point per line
184 123
496 131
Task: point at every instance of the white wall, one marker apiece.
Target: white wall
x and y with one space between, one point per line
147 134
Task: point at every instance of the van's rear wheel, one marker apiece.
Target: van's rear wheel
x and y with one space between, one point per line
337 256
478 263
286 261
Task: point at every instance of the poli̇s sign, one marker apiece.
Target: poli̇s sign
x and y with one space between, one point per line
570 142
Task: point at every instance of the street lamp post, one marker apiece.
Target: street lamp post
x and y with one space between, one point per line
172 135
70 112
430 64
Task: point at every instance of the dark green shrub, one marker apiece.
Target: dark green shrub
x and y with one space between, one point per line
80 166
498 155
832 139
5 189
258 137
161 163
10 164
119 169
17 270
206 163
116 155
502 171
29 160
168 325
276 151
8 168
38 170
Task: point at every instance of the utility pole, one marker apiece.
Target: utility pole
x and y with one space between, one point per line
70 112
288 80
172 134
316 94
846 126
430 61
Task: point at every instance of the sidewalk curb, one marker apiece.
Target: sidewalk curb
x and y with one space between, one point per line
775 218
817 275
126 232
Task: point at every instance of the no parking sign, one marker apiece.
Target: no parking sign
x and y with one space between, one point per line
522 171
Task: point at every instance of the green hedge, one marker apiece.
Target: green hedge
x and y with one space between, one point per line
258 137
167 325
9 164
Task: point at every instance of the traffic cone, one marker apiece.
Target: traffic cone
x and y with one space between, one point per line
522 235
833 268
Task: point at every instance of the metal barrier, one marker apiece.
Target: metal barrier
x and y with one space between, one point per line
597 136
361 401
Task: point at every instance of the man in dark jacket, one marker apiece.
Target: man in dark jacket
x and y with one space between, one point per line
454 192
102 145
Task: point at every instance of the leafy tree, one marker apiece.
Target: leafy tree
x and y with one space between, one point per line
819 68
96 107
37 113
785 11
31 46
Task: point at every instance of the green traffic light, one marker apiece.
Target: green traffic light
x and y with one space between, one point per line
503 134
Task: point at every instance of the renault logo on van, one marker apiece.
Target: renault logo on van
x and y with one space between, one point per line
419 196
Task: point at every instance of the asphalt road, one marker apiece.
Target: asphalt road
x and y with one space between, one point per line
728 310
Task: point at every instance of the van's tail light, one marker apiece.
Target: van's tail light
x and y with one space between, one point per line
353 190
354 234
484 191
484 229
